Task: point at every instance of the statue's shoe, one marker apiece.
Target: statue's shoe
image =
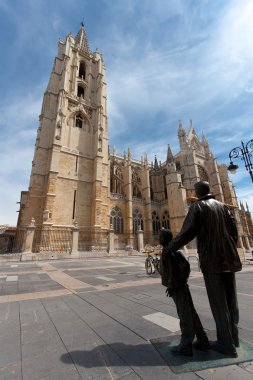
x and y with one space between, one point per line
182 350
228 351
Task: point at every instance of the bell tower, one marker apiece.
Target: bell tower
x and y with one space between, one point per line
69 177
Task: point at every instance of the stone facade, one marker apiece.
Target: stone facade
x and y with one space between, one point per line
76 179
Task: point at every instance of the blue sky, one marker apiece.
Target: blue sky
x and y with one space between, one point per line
166 60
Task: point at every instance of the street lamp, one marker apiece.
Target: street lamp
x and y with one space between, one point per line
245 152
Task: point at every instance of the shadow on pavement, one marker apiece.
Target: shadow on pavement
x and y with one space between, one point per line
157 354
116 354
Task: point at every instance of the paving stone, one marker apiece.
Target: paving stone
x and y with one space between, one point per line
65 374
130 376
11 371
123 303
9 320
44 365
12 278
248 366
10 350
39 332
51 343
246 334
33 277
32 313
230 372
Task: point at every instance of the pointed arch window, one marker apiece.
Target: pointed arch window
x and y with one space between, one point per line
155 222
79 120
151 190
165 188
137 220
82 70
136 185
136 191
135 177
203 176
80 91
166 220
116 185
116 220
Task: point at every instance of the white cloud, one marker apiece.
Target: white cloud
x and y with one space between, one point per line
9 196
20 112
19 122
202 75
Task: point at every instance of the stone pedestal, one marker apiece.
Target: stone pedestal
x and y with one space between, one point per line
75 236
111 239
28 243
140 241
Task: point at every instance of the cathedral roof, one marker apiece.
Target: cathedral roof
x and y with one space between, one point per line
81 40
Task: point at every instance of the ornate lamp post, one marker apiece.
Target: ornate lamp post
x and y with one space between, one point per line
245 152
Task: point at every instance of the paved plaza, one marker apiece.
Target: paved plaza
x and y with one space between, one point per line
95 319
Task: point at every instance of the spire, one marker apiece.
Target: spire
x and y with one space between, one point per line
170 157
247 207
191 129
181 131
81 40
204 140
156 166
145 160
206 146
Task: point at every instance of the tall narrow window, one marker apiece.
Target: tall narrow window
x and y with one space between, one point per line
82 70
74 205
165 220
137 220
80 91
136 181
76 163
116 219
79 120
116 185
151 189
203 176
155 222
165 188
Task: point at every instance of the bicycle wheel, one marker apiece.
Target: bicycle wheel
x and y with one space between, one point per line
148 266
158 266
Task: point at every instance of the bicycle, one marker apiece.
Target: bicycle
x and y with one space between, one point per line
152 264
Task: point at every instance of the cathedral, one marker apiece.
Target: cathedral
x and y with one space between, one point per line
76 180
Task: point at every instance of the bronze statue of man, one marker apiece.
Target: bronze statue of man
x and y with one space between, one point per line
212 223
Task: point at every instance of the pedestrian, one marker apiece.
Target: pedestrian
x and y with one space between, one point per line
175 270
212 223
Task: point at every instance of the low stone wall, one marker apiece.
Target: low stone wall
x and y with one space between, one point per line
78 255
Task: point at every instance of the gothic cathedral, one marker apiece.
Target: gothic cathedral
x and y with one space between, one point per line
76 179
